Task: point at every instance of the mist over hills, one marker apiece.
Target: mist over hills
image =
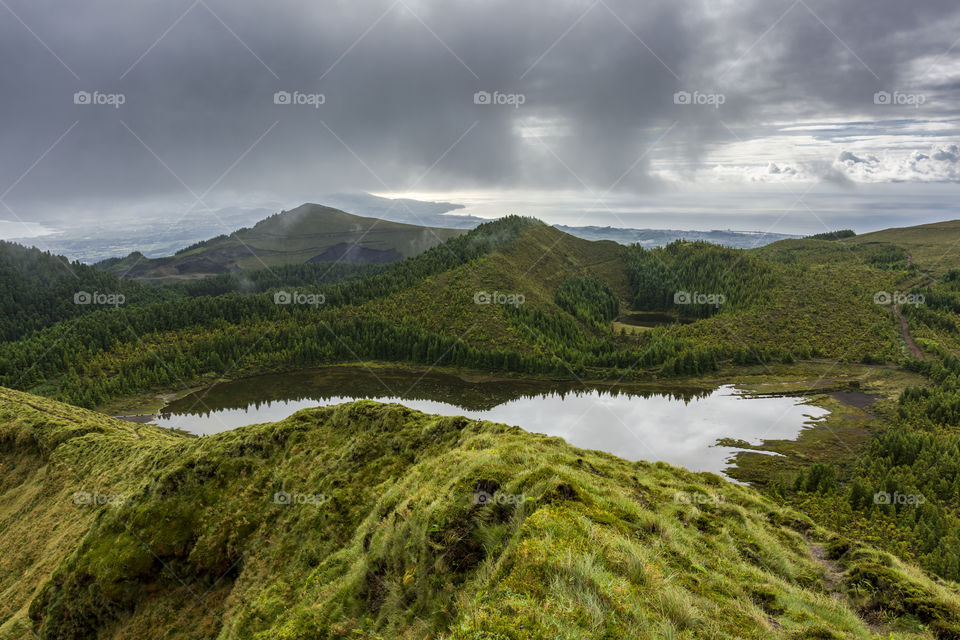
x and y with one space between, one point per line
320 233
649 238
309 233
420 212
156 236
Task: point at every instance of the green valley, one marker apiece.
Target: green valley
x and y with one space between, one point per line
395 546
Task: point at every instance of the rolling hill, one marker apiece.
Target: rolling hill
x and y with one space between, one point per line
934 247
377 521
931 248
309 233
515 295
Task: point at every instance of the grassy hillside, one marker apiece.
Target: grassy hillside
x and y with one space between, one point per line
309 233
933 247
370 520
532 265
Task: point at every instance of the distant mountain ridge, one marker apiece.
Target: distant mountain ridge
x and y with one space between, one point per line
420 212
156 237
309 233
649 238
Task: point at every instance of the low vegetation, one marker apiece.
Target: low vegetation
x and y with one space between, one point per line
833 235
370 520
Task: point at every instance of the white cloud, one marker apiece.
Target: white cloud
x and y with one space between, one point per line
941 163
772 172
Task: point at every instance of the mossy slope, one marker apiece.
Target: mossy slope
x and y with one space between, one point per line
383 537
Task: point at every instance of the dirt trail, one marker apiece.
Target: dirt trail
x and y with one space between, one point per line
904 329
906 333
832 573
833 582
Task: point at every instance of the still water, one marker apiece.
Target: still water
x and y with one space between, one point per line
677 425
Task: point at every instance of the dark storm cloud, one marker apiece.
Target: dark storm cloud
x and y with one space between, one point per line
597 81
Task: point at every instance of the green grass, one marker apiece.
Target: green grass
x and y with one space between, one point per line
933 247
574 544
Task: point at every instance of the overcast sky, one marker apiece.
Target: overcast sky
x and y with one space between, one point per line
145 108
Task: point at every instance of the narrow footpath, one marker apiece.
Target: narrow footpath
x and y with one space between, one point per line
904 329
906 333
